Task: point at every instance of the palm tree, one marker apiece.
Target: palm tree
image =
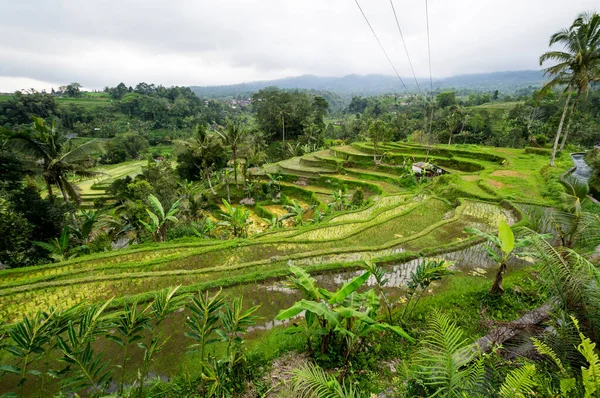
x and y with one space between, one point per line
234 136
57 155
578 64
207 149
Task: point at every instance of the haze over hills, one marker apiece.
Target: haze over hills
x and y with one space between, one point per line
366 85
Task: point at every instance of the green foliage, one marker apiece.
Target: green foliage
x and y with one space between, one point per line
311 381
89 369
235 218
159 219
444 360
420 279
358 198
203 320
343 319
500 249
519 383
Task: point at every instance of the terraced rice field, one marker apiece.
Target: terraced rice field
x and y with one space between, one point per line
399 224
95 188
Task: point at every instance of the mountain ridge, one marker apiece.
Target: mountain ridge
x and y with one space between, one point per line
374 84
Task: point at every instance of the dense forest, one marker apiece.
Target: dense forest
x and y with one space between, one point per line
302 242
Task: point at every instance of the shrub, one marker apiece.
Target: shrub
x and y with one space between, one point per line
538 151
540 139
358 198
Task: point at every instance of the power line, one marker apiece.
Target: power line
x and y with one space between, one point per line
382 48
429 49
405 47
430 81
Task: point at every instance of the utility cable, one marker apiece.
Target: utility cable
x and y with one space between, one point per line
405 47
382 48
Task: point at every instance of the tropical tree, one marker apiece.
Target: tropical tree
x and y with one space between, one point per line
159 219
233 136
578 63
204 153
57 155
378 131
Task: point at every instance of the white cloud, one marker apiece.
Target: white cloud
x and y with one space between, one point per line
200 42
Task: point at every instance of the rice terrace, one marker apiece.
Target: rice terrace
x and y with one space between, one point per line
256 241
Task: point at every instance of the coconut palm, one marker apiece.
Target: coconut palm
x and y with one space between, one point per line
578 63
57 155
233 136
208 151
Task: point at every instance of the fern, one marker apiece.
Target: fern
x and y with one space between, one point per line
519 383
311 381
544 349
444 359
590 375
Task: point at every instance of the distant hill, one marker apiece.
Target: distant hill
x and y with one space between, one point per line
506 82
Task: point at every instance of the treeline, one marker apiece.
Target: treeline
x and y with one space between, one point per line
146 107
478 119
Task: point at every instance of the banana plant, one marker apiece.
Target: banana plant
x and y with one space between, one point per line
274 222
205 228
274 185
203 320
345 313
158 224
296 212
57 247
235 218
380 277
84 230
340 201
500 248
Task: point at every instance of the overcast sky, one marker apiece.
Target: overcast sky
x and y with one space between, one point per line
47 43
